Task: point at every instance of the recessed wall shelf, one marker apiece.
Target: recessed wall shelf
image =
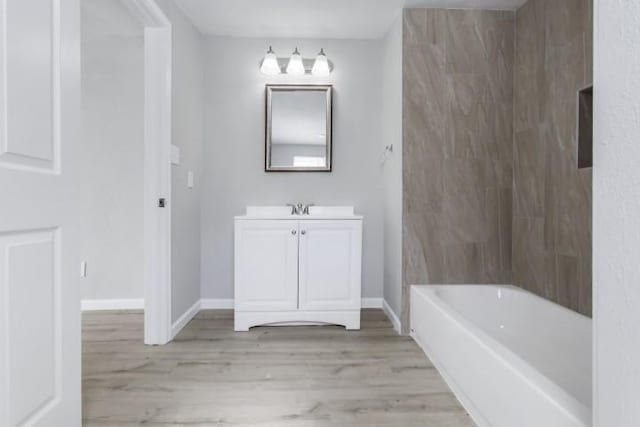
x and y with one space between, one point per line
585 128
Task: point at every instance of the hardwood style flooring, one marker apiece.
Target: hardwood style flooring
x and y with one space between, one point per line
271 376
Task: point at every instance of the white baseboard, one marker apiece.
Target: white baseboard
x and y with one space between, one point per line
227 303
112 304
203 304
392 317
216 304
371 302
185 318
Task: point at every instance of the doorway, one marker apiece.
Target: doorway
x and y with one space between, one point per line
126 65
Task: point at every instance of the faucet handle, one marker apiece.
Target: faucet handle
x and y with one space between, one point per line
294 208
306 208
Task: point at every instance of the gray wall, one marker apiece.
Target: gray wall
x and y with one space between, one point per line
188 135
552 198
113 136
616 214
457 126
392 169
234 148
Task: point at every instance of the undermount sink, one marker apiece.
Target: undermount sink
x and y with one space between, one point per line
284 212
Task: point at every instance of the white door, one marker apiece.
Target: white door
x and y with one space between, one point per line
40 213
330 265
266 265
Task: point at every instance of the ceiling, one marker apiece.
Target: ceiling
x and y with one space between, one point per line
332 19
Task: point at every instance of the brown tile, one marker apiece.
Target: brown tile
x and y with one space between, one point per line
567 285
499 38
414 257
466 51
506 228
585 297
574 212
457 154
565 21
529 173
550 217
423 174
436 27
424 27
424 78
464 205
470 122
588 57
492 260
482 204
498 277
564 78
464 263
533 267
424 237
552 243
529 64
414 23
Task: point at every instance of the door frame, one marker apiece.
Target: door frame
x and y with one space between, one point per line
157 169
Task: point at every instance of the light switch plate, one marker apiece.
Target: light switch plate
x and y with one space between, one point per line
190 183
175 155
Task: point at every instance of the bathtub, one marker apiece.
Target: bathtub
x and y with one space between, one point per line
512 358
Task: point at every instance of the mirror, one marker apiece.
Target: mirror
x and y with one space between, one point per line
298 129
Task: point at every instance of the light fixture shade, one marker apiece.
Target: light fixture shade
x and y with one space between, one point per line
295 66
321 65
270 65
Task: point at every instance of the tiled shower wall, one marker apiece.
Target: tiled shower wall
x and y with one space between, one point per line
457 148
491 189
552 198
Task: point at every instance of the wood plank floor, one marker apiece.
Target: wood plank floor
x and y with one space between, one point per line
290 376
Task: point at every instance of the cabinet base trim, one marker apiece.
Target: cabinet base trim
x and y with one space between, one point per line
247 319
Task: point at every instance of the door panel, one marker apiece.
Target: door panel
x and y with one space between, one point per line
31 286
40 213
31 55
330 266
266 271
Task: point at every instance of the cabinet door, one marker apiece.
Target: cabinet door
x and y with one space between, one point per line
266 265
330 265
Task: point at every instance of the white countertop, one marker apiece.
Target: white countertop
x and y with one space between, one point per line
315 213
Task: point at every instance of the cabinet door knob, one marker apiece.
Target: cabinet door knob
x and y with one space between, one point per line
303 232
293 232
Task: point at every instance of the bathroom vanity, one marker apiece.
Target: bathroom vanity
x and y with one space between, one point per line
298 269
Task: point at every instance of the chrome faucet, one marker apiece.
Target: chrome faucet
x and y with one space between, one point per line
294 208
299 209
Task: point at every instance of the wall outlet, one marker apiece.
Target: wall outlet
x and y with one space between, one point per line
83 269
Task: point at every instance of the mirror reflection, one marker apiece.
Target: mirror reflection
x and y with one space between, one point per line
298 128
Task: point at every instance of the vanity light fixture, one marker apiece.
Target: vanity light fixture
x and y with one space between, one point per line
295 66
321 65
270 65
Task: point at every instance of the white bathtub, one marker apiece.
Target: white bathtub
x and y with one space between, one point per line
513 359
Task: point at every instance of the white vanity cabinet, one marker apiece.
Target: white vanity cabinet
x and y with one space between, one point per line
292 269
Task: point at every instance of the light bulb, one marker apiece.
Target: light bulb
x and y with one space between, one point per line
321 65
295 66
270 65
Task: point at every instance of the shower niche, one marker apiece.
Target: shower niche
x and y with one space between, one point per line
585 128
